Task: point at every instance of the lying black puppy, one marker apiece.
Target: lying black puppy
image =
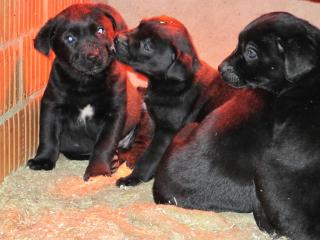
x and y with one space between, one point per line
211 166
181 89
88 105
281 53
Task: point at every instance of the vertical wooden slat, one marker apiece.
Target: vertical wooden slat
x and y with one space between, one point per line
6 80
33 123
22 137
2 80
37 128
1 22
2 153
6 148
22 18
24 120
17 142
5 32
14 19
29 132
12 144
14 76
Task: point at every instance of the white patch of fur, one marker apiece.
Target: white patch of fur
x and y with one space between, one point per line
86 113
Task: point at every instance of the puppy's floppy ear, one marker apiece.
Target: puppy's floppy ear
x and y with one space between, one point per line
181 69
42 40
300 57
117 20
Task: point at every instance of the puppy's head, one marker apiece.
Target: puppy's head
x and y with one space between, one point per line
159 47
274 51
81 36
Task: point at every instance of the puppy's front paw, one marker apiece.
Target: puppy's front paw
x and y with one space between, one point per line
41 164
98 168
128 181
130 163
128 159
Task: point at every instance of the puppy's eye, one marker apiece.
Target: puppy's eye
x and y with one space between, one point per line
146 46
251 53
70 39
100 30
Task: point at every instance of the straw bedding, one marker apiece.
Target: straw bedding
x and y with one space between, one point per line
59 205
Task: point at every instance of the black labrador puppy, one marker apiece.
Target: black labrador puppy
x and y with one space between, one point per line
89 107
211 165
181 88
210 162
281 53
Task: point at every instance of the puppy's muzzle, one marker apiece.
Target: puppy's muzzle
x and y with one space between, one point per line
121 40
90 59
121 46
229 75
93 56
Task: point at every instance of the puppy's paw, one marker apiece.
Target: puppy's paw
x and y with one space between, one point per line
100 168
41 164
128 159
128 181
130 163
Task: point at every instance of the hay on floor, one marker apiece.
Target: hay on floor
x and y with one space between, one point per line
59 205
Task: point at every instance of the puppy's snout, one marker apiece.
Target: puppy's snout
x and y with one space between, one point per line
93 54
220 67
121 47
229 75
224 67
121 38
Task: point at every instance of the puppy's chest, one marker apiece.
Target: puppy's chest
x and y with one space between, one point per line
169 112
179 103
84 110
86 113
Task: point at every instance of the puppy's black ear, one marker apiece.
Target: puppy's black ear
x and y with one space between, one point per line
181 69
300 57
117 20
42 40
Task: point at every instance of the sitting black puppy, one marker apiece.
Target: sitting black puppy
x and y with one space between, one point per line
281 53
88 105
181 88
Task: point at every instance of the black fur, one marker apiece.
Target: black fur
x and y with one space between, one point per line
281 53
84 74
210 163
181 89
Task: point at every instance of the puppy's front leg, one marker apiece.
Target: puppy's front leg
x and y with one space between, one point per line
147 164
101 161
49 138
